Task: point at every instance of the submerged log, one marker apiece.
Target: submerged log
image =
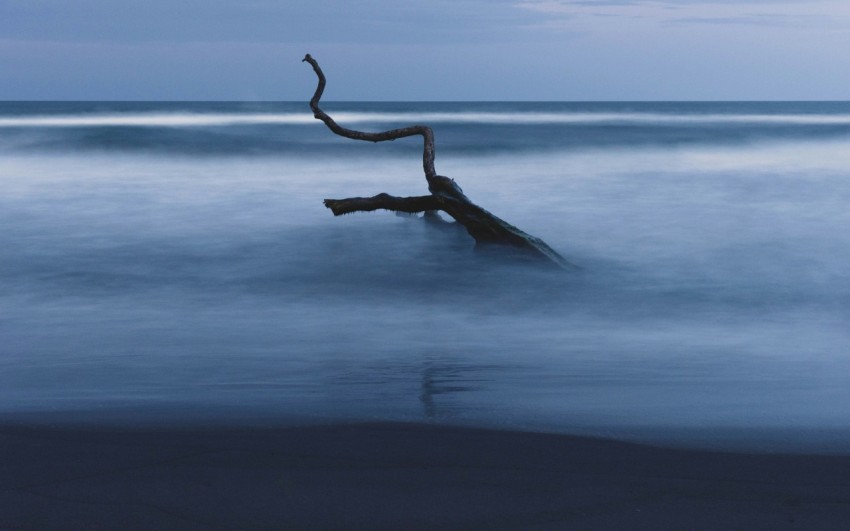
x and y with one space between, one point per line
486 229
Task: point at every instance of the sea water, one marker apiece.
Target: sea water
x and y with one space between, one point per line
174 261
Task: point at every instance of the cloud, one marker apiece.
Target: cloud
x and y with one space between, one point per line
270 21
765 19
679 3
568 14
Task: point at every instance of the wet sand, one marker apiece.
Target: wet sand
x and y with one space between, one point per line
399 476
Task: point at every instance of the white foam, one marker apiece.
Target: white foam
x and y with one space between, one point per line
160 119
154 120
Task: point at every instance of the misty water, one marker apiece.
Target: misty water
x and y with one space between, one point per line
174 262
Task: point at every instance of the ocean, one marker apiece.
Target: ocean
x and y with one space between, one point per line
173 262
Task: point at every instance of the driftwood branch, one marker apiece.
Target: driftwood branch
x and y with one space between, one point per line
446 195
427 134
411 205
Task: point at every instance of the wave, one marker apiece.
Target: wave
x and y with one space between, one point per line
155 120
519 118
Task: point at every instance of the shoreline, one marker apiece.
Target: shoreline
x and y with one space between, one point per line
392 475
753 439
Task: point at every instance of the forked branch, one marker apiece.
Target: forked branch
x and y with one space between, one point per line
446 195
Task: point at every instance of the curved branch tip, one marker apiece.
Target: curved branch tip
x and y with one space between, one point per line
426 132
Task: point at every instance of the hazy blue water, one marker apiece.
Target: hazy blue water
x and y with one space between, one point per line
175 261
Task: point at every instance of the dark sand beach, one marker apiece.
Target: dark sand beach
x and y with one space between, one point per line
399 476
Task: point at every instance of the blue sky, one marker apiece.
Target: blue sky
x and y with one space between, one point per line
426 50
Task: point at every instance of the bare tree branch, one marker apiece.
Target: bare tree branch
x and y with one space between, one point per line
446 195
411 205
426 132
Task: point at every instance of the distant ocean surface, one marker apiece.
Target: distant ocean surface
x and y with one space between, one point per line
173 262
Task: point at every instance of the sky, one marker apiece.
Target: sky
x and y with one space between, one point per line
425 50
